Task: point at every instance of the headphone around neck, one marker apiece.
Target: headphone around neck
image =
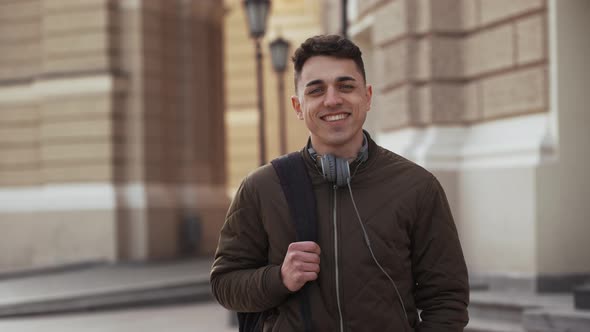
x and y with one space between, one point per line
337 170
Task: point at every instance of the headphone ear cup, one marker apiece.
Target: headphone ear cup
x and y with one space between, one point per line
343 172
329 167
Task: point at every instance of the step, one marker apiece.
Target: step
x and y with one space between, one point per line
482 325
582 297
107 286
478 286
509 307
496 307
561 319
173 294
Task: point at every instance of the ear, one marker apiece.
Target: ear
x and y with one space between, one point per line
297 107
369 96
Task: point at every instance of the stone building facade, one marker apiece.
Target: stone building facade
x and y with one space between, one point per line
489 96
111 130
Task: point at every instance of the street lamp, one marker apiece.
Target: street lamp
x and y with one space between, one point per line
344 18
279 49
257 12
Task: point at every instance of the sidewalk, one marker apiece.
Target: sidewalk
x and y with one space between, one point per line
194 317
103 286
91 287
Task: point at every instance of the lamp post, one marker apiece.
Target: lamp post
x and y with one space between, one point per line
344 18
279 49
257 12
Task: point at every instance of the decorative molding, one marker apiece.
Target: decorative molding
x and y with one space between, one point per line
517 141
58 87
68 86
106 196
22 92
130 4
242 117
99 196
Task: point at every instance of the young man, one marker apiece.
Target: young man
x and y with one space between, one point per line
387 245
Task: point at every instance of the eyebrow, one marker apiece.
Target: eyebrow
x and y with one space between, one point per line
338 79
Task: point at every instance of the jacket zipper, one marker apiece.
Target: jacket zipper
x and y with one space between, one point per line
336 260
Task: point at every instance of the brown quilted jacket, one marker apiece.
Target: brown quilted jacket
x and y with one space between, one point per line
412 234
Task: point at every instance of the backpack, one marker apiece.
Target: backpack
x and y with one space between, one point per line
299 193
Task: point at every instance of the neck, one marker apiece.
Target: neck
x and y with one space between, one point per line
347 151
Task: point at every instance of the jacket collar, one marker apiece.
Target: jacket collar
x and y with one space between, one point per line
357 167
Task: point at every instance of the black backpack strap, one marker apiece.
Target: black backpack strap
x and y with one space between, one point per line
251 321
299 193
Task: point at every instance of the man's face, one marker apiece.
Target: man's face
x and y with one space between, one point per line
333 100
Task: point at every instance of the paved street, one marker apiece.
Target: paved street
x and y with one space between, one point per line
207 316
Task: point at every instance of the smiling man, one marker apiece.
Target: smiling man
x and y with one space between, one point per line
387 257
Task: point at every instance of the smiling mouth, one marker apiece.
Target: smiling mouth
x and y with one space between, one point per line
335 117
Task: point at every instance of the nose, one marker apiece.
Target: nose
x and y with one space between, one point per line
332 97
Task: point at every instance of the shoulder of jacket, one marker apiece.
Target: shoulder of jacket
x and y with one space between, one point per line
260 178
399 163
262 173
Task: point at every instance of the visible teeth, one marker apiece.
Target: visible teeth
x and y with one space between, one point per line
335 117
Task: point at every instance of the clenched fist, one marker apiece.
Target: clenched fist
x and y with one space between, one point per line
301 264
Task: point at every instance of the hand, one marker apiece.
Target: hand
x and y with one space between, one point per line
301 264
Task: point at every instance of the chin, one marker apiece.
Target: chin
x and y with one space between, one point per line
338 138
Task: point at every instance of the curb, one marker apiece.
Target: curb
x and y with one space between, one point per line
151 296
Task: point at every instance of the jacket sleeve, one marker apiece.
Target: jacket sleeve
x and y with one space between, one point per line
241 279
442 289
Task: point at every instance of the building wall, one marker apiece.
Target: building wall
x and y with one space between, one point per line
108 134
469 58
293 20
55 131
173 133
464 89
564 184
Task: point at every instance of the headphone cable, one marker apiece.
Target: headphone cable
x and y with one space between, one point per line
368 242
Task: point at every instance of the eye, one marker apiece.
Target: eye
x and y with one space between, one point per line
315 91
346 87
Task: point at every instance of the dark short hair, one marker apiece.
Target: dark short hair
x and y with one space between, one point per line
330 45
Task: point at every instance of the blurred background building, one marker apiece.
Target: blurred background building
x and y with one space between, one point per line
112 136
125 126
